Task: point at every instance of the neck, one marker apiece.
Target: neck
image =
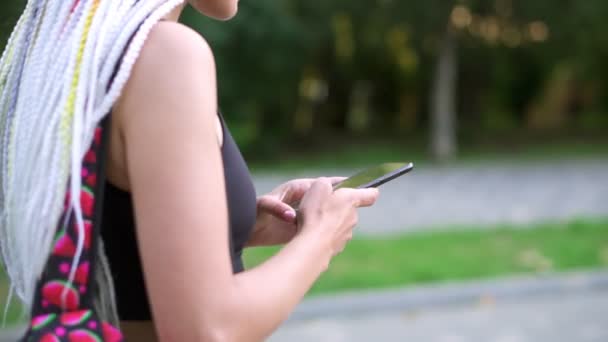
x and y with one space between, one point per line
175 13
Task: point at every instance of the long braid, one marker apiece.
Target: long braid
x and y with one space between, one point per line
57 82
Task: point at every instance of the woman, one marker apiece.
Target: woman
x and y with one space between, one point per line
174 169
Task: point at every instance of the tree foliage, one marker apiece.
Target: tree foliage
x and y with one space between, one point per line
296 70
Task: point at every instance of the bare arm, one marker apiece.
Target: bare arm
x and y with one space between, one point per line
167 116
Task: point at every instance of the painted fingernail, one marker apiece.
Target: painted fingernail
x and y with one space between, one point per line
289 214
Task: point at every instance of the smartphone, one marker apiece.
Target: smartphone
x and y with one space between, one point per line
371 178
375 176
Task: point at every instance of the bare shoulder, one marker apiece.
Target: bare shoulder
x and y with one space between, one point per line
174 51
175 41
176 65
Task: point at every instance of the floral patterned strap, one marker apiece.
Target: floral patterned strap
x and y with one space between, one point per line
62 309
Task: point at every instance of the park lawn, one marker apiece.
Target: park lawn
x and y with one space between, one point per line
14 310
450 255
431 257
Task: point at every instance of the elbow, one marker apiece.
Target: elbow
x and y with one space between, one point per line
229 330
203 333
222 319
217 334
224 326
229 333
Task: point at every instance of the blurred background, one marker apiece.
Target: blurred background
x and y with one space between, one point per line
501 232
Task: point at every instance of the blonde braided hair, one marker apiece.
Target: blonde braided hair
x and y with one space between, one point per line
56 85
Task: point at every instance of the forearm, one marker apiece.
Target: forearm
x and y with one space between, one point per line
268 293
275 238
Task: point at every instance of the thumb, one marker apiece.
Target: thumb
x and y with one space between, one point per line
276 208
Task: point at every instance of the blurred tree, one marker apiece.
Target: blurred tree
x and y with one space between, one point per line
296 71
351 67
443 96
9 13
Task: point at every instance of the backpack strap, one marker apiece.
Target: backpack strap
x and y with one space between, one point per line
54 292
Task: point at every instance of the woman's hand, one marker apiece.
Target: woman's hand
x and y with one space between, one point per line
276 218
329 216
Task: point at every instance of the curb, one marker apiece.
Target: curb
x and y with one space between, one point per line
425 297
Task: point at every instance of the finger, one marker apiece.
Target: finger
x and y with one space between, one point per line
336 180
367 197
296 189
276 208
320 187
306 181
282 190
360 197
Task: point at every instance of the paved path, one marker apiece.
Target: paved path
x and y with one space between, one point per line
482 194
548 310
10 334
558 308
575 317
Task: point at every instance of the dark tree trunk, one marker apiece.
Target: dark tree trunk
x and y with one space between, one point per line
443 101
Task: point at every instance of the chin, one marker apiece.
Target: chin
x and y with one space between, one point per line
224 10
227 15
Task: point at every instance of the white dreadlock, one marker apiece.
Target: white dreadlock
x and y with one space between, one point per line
55 76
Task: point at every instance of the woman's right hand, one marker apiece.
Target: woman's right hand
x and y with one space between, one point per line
332 214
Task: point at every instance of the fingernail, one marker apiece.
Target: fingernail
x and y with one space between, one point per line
289 214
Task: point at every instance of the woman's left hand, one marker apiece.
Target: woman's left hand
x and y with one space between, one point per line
276 216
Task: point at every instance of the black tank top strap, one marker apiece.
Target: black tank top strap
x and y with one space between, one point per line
120 237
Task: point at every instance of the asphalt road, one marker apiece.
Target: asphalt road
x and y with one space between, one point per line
480 195
557 316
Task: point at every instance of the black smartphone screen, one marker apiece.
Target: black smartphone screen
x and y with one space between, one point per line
375 176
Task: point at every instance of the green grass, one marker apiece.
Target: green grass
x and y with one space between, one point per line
15 309
361 155
449 255
460 255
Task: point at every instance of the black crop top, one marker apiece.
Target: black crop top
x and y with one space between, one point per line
118 231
